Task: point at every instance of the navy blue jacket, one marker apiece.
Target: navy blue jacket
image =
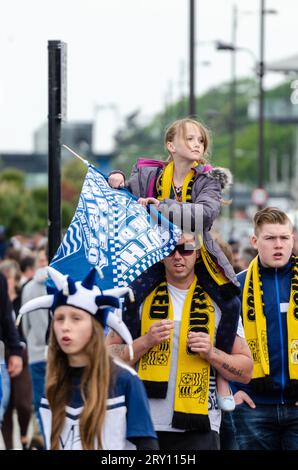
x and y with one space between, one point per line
276 288
8 332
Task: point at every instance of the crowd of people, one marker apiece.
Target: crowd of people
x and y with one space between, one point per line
205 358
20 271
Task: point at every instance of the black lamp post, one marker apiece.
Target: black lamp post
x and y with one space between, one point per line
192 97
57 112
261 72
261 159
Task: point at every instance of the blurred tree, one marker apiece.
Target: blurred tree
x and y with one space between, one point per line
40 201
67 214
12 175
25 211
16 209
74 172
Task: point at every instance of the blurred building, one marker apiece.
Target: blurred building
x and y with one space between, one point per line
34 165
76 135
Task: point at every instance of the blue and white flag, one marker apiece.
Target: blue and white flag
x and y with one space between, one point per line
114 233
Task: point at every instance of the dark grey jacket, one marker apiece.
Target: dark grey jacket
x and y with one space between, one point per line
200 214
9 335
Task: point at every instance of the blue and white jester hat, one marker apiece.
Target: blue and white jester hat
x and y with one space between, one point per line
87 296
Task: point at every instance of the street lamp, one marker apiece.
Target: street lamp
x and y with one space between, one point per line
231 47
220 46
261 72
192 97
261 160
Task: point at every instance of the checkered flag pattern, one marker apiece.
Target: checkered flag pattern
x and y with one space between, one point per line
112 231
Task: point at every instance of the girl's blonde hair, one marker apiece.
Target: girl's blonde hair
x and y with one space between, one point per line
179 127
94 388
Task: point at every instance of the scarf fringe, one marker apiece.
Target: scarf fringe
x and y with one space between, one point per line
156 389
191 422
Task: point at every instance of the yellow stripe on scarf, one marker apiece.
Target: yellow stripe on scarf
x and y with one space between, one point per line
212 267
292 324
156 361
193 372
167 179
254 322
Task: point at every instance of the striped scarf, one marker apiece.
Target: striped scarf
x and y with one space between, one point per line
193 372
255 326
165 189
165 185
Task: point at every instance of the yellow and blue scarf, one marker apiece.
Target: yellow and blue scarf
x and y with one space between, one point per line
193 372
165 189
254 321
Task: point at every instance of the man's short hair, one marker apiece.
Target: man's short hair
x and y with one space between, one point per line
270 215
26 263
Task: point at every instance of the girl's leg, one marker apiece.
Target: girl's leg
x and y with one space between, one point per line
23 402
222 386
7 426
225 399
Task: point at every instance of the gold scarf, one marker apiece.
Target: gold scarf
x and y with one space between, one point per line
164 186
193 372
254 322
165 183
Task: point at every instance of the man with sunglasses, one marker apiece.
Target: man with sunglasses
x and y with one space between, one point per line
176 358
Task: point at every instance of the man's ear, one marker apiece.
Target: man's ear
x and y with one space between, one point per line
254 241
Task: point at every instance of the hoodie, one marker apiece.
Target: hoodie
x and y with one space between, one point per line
35 324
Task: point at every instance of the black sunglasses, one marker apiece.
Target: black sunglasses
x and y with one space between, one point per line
182 250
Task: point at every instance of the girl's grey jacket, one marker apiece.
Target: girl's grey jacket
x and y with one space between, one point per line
197 216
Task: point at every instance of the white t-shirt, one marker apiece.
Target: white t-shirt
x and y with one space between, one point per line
162 408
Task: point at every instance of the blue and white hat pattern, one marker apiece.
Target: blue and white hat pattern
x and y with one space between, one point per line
85 295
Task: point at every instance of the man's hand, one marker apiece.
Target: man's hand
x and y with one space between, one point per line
116 180
15 365
200 343
242 397
158 332
144 201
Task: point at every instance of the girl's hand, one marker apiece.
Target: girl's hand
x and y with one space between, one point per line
242 397
144 201
116 180
15 366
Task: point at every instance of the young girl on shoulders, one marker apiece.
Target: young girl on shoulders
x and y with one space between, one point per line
92 401
187 186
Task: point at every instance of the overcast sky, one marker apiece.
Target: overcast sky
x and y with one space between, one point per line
132 54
